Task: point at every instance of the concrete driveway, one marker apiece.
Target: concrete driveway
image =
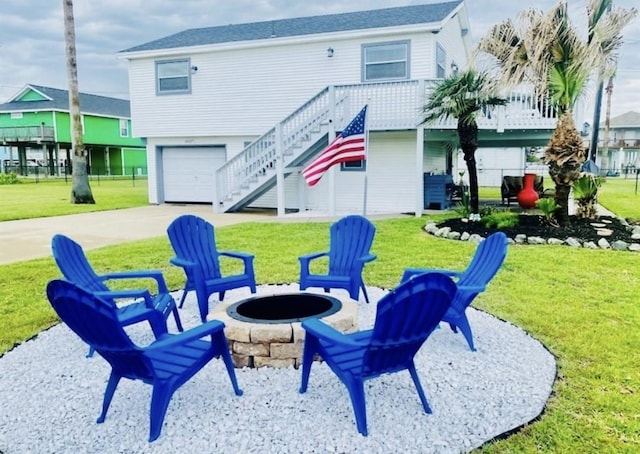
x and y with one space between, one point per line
31 238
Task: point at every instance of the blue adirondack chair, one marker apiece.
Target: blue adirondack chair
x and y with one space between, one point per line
405 318
349 244
166 364
193 241
486 262
75 267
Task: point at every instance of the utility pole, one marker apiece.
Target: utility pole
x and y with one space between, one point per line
604 159
593 149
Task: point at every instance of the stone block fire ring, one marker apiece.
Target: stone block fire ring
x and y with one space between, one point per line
266 330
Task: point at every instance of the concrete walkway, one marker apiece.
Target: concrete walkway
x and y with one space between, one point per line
31 238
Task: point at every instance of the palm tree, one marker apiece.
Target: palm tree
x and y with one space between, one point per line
80 188
545 50
463 96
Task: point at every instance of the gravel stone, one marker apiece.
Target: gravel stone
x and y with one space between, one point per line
50 397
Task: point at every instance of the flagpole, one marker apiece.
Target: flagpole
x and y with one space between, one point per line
366 162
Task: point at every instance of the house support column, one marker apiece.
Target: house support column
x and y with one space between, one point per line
419 171
280 171
302 193
419 201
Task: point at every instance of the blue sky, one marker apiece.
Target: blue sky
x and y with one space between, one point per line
32 35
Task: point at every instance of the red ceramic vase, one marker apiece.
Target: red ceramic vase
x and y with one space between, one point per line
528 196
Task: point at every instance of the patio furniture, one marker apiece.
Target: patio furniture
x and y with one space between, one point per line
74 266
405 318
194 243
486 262
350 241
438 191
512 185
166 364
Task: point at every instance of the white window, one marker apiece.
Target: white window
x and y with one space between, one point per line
441 62
384 61
124 127
353 166
173 76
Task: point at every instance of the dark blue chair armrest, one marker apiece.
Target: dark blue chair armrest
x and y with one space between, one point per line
186 264
139 274
326 332
129 293
171 340
237 255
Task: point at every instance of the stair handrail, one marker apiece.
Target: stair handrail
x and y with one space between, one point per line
259 157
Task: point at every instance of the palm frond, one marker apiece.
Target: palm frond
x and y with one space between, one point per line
461 96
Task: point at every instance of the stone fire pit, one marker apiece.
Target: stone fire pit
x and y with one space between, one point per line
265 330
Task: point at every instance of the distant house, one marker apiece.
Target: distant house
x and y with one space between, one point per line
35 133
622 151
231 114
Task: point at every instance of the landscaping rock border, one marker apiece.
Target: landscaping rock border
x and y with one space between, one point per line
618 245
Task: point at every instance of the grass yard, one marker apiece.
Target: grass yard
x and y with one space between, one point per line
619 196
582 304
29 200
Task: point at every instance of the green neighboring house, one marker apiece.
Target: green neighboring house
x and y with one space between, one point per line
35 134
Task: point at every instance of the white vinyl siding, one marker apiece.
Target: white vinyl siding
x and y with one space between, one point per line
385 61
391 185
247 91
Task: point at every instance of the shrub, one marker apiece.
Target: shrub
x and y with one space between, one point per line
500 220
463 208
9 178
548 206
585 192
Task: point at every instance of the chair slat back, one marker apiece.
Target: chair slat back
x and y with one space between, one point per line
350 238
486 261
73 264
95 321
405 318
193 239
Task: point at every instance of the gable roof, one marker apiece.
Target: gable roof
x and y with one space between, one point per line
37 97
432 13
629 119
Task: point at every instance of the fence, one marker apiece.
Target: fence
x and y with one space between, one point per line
37 173
492 177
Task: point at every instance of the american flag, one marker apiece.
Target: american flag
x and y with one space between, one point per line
348 146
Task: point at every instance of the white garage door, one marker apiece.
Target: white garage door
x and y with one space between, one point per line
189 172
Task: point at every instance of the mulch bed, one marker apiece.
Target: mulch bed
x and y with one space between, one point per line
535 225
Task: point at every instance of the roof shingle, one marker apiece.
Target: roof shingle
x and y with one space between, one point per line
380 18
89 104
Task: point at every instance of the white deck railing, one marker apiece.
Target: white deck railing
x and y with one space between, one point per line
392 106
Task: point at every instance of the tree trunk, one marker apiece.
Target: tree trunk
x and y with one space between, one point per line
80 188
468 134
562 200
564 156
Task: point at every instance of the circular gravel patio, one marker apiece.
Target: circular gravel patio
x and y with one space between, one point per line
50 397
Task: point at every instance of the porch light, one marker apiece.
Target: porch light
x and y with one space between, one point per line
454 67
330 52
194 69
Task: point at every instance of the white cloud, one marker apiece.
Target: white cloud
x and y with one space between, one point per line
32 35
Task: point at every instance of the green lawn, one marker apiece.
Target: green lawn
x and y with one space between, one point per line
50 197
619 196
582 304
